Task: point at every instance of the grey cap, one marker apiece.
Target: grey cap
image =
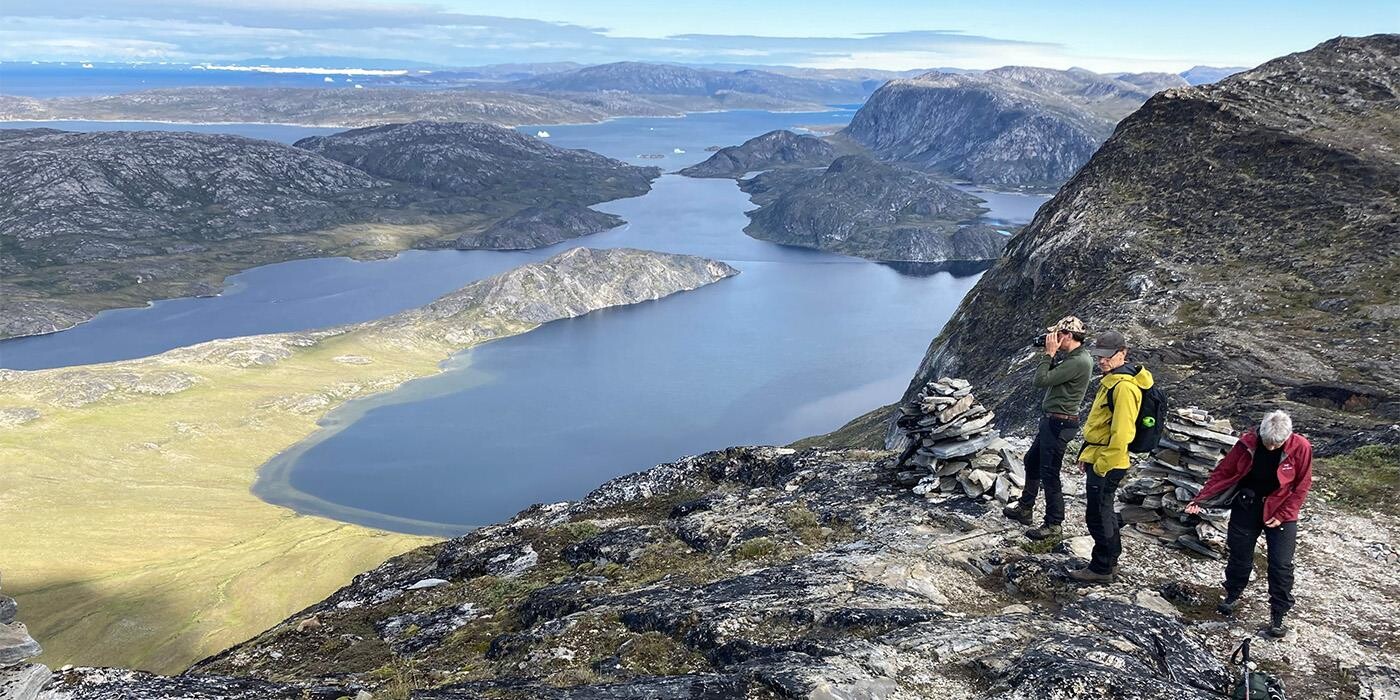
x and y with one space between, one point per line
1107 344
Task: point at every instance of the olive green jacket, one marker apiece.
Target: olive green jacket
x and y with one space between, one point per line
1064 382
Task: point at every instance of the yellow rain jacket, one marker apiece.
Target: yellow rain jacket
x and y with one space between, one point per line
1108 432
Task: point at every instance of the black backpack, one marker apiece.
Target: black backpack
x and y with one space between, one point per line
1151 419
1253 685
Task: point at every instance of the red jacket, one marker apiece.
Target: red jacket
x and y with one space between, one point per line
1294 475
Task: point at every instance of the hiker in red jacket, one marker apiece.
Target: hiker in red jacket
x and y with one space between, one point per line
1264 479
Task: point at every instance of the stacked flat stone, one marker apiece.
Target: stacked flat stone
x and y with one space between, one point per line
952 448
19 679
1154 501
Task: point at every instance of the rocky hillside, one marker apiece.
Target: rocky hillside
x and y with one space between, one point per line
656 79
861 207
775 149
87 217
766 574
1246 237
1012 126
489 164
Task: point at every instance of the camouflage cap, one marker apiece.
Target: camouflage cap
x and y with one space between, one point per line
1068 324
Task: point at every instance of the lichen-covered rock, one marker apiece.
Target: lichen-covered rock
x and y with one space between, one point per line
112 684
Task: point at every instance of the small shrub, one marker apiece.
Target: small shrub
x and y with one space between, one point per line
757 548
1365 479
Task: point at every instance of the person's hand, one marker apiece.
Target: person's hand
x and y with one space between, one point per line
1193 508
1052 343
1272 523
1084 467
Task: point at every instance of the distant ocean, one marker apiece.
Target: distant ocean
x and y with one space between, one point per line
72 79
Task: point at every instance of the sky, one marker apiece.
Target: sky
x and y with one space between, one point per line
882 34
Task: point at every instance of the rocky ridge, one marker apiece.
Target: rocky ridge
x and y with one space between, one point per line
1010 127
862 207
775 149
769 573
1244 235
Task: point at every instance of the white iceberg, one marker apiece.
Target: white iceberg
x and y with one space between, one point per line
678 150
542 134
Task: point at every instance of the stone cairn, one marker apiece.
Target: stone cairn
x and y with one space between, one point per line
952 448
19 679
1154 502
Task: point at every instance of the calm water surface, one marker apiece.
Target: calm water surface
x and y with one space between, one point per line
798 343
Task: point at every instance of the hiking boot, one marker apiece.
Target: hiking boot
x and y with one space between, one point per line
1019 514
1044 532
1087 575
1228 606
1277 629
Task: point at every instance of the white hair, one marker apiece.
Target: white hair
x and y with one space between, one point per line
1275 428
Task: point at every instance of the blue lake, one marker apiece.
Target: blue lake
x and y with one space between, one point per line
798 343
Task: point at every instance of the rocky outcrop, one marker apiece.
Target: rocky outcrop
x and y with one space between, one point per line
1014 126
1244 235
861 207
19 679
86 217
539 226
483 162
775 149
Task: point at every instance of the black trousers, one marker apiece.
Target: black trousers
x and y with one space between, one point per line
1043 462
1246 523
1099 494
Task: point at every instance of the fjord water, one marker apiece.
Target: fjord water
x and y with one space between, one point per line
798 343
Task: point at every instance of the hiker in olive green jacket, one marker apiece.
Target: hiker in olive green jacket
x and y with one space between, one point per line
1108 430
1064 371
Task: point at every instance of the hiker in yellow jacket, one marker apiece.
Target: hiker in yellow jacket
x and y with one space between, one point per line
1109 428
